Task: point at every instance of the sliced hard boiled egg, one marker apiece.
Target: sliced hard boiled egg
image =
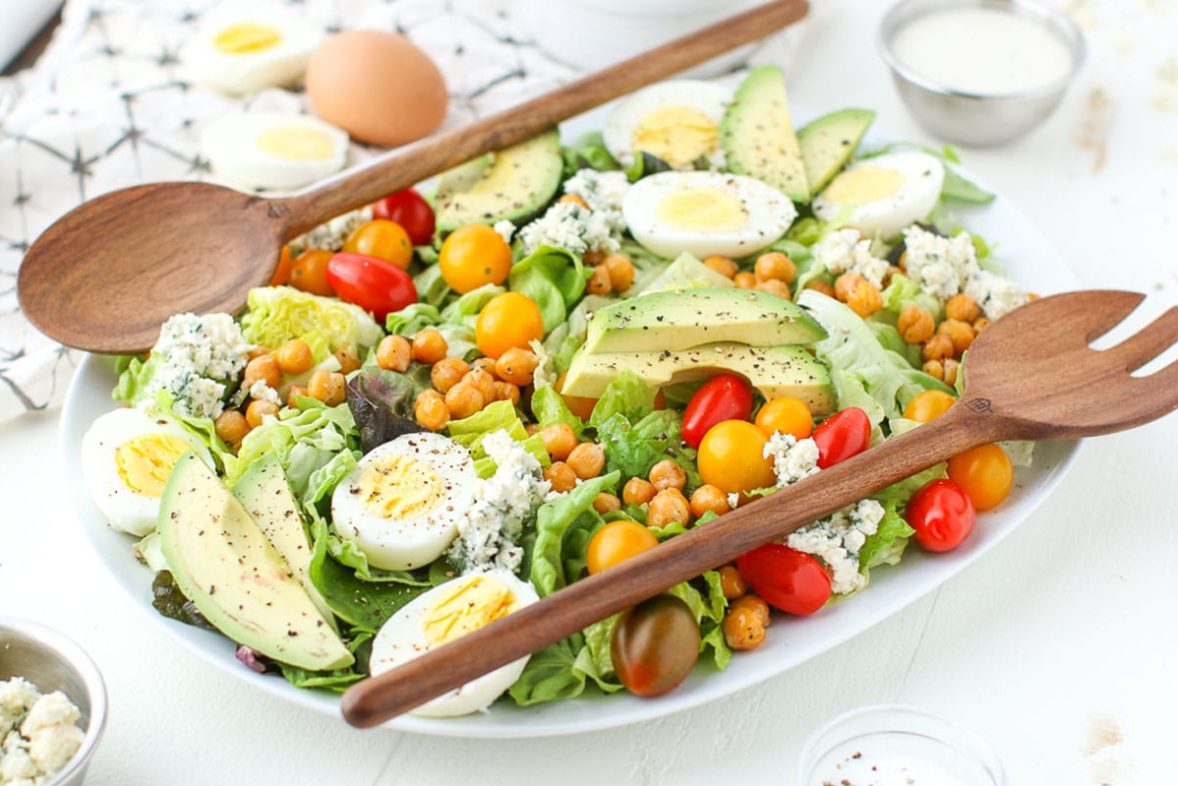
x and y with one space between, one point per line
241 51
677 121
127 456
273 150
705 213
402 504
445 613
882 195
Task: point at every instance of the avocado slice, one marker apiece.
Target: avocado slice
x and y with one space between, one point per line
681 319
774 371
511 184
758 137
265 494
224 564
828 142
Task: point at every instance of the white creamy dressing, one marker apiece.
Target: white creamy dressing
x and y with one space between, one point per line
987 51
899 760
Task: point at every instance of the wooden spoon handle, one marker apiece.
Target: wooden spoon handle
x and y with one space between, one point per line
435 154
592 599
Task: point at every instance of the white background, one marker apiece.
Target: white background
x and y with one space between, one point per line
1061 641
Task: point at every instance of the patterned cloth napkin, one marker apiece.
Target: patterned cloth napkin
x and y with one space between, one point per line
109 105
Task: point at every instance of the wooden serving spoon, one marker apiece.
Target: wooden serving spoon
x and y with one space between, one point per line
1031 375
106 275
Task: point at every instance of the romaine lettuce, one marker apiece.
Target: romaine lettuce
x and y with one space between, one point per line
554 279
278 314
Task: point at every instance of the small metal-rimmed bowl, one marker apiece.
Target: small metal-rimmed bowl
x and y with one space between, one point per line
52 662
977 119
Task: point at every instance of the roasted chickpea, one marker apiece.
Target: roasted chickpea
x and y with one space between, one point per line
447 373
560 476
743 627
668 506
637 491
593 258
393 353
980 324
960 333
745 280
775 266
559 440
757 606
938 347
231 426
606 503
845 284
709 498
732 584
722 265
574 199
327 386
587 460
257 410
516 366
486 364
463 400
962 307
429 346
621 272
916 324
865 299
264 368
775 287
667 475
431 411
505 391
483 382
294 356
599 283
935 369
348 362
292 396
818 285
256 352
951 368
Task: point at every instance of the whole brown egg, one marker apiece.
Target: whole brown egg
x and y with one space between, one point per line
377 86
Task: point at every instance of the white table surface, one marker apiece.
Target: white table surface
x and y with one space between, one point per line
1057 644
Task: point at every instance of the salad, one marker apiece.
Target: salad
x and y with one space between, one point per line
446 407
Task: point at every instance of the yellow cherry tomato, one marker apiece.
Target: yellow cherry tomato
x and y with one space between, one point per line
731 457
786 414
508 320
309 272
473 256
382 239
986 474
617 542
929 405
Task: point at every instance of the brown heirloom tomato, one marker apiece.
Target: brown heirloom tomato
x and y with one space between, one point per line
655 645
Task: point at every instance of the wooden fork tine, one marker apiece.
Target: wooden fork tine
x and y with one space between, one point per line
1151 341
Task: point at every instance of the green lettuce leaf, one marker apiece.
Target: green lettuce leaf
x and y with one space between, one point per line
887 545
277 314
551 674
134 375
549 409
587 152
627 395
902 290
412 319
554 279
465 310
496 416
634 449
554 520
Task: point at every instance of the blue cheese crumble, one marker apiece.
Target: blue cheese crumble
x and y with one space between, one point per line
997 296
569 226
503 504
506 230
793 459
331 235
837 541
842 251
940 265
600 190
197 358
39 733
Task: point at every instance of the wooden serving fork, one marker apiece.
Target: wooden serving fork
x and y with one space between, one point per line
1030 375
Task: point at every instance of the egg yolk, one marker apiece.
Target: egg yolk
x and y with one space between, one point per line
295 144
676 134
862 185
245 38
145 462
476 603
399 487
702 210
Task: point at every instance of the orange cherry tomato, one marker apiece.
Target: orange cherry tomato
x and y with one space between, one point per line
617 542
929 405
473 256
282 270
786 414
309 272
986 474
731 457
579 405
508 320
381 239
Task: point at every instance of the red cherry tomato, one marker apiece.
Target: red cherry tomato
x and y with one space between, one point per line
723 397
942 515
411 211
785 578
841 436
372 284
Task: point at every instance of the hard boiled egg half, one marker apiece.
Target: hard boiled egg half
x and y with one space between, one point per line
445 613
127 456
402 504
677 121
705 213
252 46
882 195
272 150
